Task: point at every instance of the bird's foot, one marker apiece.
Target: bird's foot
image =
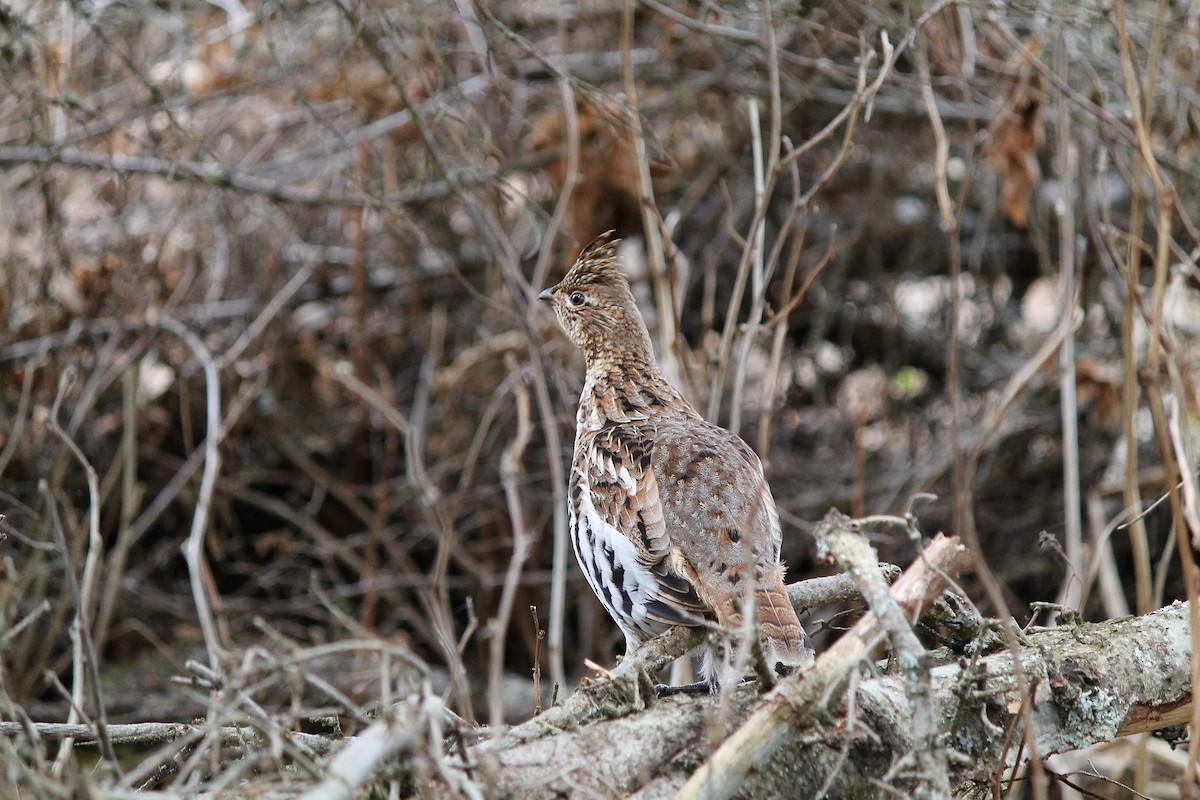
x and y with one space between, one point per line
699 687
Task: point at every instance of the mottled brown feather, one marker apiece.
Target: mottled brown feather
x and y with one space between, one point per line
685 499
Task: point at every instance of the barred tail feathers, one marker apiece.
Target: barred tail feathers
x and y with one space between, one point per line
786 646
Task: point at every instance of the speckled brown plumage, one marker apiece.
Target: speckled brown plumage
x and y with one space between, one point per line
671 518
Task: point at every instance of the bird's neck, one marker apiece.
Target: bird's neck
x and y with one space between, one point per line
624 381
622 359
621 355
618 341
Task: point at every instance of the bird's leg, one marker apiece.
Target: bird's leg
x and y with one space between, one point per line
766 677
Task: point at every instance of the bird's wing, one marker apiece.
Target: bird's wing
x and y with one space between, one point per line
716 503
764 503
619 495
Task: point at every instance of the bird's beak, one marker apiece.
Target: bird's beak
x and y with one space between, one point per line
547 295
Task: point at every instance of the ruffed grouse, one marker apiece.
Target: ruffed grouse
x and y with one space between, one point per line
671 518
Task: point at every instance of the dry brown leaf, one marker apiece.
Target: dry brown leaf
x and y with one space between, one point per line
944 35
375 95
606 191
93 280
1099 385
1017 134
1185 61
48 66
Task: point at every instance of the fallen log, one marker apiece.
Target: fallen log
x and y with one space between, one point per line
846 729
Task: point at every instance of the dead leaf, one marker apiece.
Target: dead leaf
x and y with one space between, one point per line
1099 385
1017 133
606 191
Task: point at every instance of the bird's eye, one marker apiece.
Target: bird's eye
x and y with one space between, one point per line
577 298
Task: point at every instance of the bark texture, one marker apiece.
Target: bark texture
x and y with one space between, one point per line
1090 683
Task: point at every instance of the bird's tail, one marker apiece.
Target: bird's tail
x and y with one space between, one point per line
786 647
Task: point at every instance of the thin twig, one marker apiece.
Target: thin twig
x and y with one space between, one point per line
664 291
86 660
1164 198
220 176
194 549
1064 210
510 471
558 558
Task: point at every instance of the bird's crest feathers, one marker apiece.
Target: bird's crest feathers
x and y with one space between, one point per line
598 262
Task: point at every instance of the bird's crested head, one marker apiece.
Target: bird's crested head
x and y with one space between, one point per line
595 307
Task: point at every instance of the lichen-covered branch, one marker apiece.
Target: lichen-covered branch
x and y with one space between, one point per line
1093 682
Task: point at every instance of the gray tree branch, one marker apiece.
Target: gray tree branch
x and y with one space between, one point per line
1092 683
